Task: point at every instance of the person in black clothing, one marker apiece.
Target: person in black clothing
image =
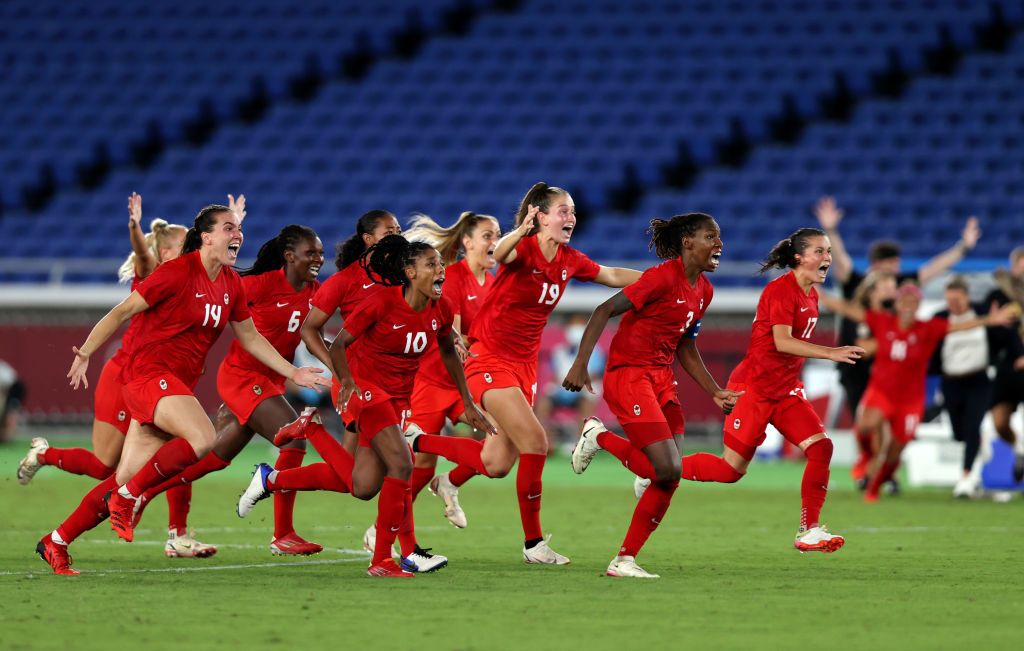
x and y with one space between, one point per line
1008 389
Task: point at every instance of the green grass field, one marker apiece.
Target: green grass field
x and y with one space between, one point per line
918 572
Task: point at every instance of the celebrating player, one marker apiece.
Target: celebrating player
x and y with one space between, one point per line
663 313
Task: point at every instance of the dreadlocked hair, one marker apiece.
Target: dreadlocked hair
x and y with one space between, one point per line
667 235
783 255
540 195
351 249
385 261
271 255
204 222
447 241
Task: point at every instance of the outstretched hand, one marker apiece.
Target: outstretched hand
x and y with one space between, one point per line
726 399
828 213
971 233
237 206
135 209
310 377
478 421
847 354
529 219
78 368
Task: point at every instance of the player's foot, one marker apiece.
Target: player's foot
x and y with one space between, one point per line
818 539
587 446
449 492
256 490
966 489
30 465
56 555
870 496
422 561
370 542
296 430
542 554
859 471
186 546
412 432
625 566
388 569
1018 467
861 484
122 514
639 486
291 544
892 488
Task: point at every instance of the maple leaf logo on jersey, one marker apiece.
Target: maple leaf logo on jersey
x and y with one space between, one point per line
487 378
736 423
367 395
226 300
433 324
564 274
257 389
121 416
636 410
163 385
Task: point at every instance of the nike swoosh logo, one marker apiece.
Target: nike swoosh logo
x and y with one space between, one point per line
537 271
395 529
533 497
281 304
396 327
200 295
471 298
655 521
368 286
679 301
804 309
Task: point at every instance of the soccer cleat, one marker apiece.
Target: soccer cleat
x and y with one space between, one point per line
292 545
626 567
30 465
412 432
443 488
542 554
870 496
966 489
892 488
56 555
370 541
859 471
255 491
639 486
123 512
818 539
388 569
186 546
1018 467
421 561
296 430
587 446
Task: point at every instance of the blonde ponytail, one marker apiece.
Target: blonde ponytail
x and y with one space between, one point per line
447 241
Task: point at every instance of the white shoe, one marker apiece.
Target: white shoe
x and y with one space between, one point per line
541 554
422 561
255 491
967 489
30 465
625 566
443 488
411 433
639 486
370 541
186 546
587 446
818 539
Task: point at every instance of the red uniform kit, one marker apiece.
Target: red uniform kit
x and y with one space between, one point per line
506 336
108 401
434 396
771 381
639 385
390 338
187 312
243 382
897 384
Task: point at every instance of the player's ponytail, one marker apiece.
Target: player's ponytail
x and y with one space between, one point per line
447 241
540 195
204 223
160 232
783 255
271 254
667 235
385 261
353 248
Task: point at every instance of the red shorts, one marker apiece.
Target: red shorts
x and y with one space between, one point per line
645 400
431 405
903 419
488 371
108 401
745 427
242 390
142 394
373 409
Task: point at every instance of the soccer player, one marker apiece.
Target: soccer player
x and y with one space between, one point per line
536 265
769 379
184 306
1008 387
663 313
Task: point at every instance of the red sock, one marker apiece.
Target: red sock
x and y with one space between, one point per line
634 460
172 457
887 470
390 515
707 467
420 478
407 534
314 477
814 486
864 442
284 501
338 457
179 499
209 463
647 516
90 512
77 461
460 474
528 490
457 449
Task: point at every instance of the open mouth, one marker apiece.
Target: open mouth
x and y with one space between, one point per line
716 259
314 270
437 285
233 250
567 229
823 269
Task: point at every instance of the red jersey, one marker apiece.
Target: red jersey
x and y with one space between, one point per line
901 362
345 290
772 374
525 293
124 352
666 308
187 312
390 339
277 312
466 296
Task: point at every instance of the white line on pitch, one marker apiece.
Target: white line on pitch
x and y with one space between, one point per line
209 568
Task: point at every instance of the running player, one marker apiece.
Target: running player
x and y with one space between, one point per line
663 313
537 264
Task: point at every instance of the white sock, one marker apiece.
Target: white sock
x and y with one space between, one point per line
123 492
55 537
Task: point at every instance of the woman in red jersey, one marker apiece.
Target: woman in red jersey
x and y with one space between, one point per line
769 379
537 264
663 312
183 306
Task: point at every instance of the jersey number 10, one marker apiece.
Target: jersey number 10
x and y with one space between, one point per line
415 344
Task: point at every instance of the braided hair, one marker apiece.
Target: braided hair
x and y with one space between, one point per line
667 235
385 261
783 255
271 255
351 249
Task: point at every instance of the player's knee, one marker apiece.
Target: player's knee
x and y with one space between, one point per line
295 444
364 492
820 450
400 468
666 473
497 472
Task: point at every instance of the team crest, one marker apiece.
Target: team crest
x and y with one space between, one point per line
736 423
487 378
367 395
433 324
564 274
121 416
163 385
257 389
701 304
636 410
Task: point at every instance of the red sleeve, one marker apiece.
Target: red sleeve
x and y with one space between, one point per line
649 287
524 252
709 293
368 313
165 281
586 269
240 302
939 328
328 298
780 307
445 316
875 321
254 286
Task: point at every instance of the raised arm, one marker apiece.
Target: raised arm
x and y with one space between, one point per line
943 261
691 361
313 337
100 333
829 215
786 343
617 276
237 206
578 375
256 344
145 261
505 251
997 317
849 309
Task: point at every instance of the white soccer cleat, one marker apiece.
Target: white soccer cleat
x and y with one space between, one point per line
587 446
370 541
255 491
542 554
967 489
639 486
443 488
818 539
186 546
30 465
626 567
422 561
411 433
